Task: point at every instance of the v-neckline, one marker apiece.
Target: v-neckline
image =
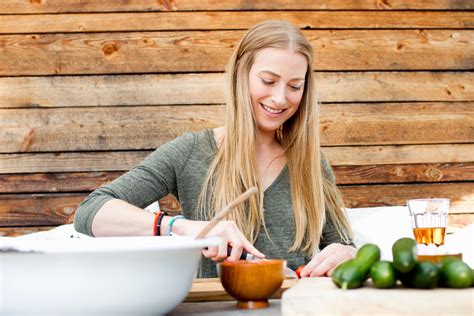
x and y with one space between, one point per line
213 143
277 179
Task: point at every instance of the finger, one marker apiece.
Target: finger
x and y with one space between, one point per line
210 252
325 266
318 258
342 256
308 269
331 262
236 250
330 272
221 253
249 247
254 251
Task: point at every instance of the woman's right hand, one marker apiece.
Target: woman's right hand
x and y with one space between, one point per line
228 231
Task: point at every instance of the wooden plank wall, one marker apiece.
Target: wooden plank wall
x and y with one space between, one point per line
89 88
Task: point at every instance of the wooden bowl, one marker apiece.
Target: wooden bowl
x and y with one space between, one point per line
252 282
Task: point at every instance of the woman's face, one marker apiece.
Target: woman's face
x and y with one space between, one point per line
276 83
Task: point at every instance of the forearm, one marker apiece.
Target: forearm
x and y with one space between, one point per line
119 218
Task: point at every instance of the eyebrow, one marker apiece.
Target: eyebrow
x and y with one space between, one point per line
278 76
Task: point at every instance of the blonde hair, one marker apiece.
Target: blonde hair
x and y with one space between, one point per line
234 168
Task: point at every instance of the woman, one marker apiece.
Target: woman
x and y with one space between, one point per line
270 140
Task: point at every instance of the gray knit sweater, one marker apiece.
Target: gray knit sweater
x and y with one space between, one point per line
179 167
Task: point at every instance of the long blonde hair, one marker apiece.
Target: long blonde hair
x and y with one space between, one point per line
234 168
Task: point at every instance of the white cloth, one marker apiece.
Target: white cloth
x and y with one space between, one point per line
60 232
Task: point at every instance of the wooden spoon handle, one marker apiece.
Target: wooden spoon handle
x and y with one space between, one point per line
224 211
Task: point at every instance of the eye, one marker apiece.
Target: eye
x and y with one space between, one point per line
296 88
267 81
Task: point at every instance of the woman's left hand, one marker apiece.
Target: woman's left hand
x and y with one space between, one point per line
324 263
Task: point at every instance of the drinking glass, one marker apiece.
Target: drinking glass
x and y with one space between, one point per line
429 219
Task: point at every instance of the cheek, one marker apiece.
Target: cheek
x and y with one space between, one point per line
257 89
295 98
257 92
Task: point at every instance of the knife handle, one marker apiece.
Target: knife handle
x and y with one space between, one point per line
243 256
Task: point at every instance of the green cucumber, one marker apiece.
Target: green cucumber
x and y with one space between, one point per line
425 275
472 285
356 271
352 276
336 275
404 254
455 274
366 256
383 275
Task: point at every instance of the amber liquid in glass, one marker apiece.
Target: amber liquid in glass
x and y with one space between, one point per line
430 235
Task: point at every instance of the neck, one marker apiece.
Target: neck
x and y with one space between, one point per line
266 138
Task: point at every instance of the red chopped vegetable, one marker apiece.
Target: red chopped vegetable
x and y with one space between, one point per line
298 271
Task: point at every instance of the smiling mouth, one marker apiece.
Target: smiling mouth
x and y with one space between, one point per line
271 110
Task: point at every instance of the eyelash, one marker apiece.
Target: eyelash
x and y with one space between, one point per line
270 82
267 82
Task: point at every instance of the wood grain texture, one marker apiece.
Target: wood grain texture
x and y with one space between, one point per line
19 231
372 174
170 205
403 173
239 20
77 129
460 193
252 284
55 182
389 123
191 51
381 155
147 127
71 162
38 209
55 6
457 221
207 88
114 90
337 156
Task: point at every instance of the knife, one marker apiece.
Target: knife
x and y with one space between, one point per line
248 256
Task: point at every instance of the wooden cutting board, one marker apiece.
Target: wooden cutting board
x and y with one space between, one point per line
204 290
319 296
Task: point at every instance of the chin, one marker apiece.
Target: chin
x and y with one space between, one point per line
268 128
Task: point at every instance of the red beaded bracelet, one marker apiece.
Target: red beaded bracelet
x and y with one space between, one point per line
156 230
157 223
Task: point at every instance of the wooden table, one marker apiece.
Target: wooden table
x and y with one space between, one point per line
320 296
224 308
207 296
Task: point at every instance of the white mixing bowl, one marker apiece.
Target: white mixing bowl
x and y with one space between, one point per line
113 276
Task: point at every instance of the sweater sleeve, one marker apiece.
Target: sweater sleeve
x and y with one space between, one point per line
152 179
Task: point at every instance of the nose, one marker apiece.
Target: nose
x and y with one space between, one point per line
279 95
